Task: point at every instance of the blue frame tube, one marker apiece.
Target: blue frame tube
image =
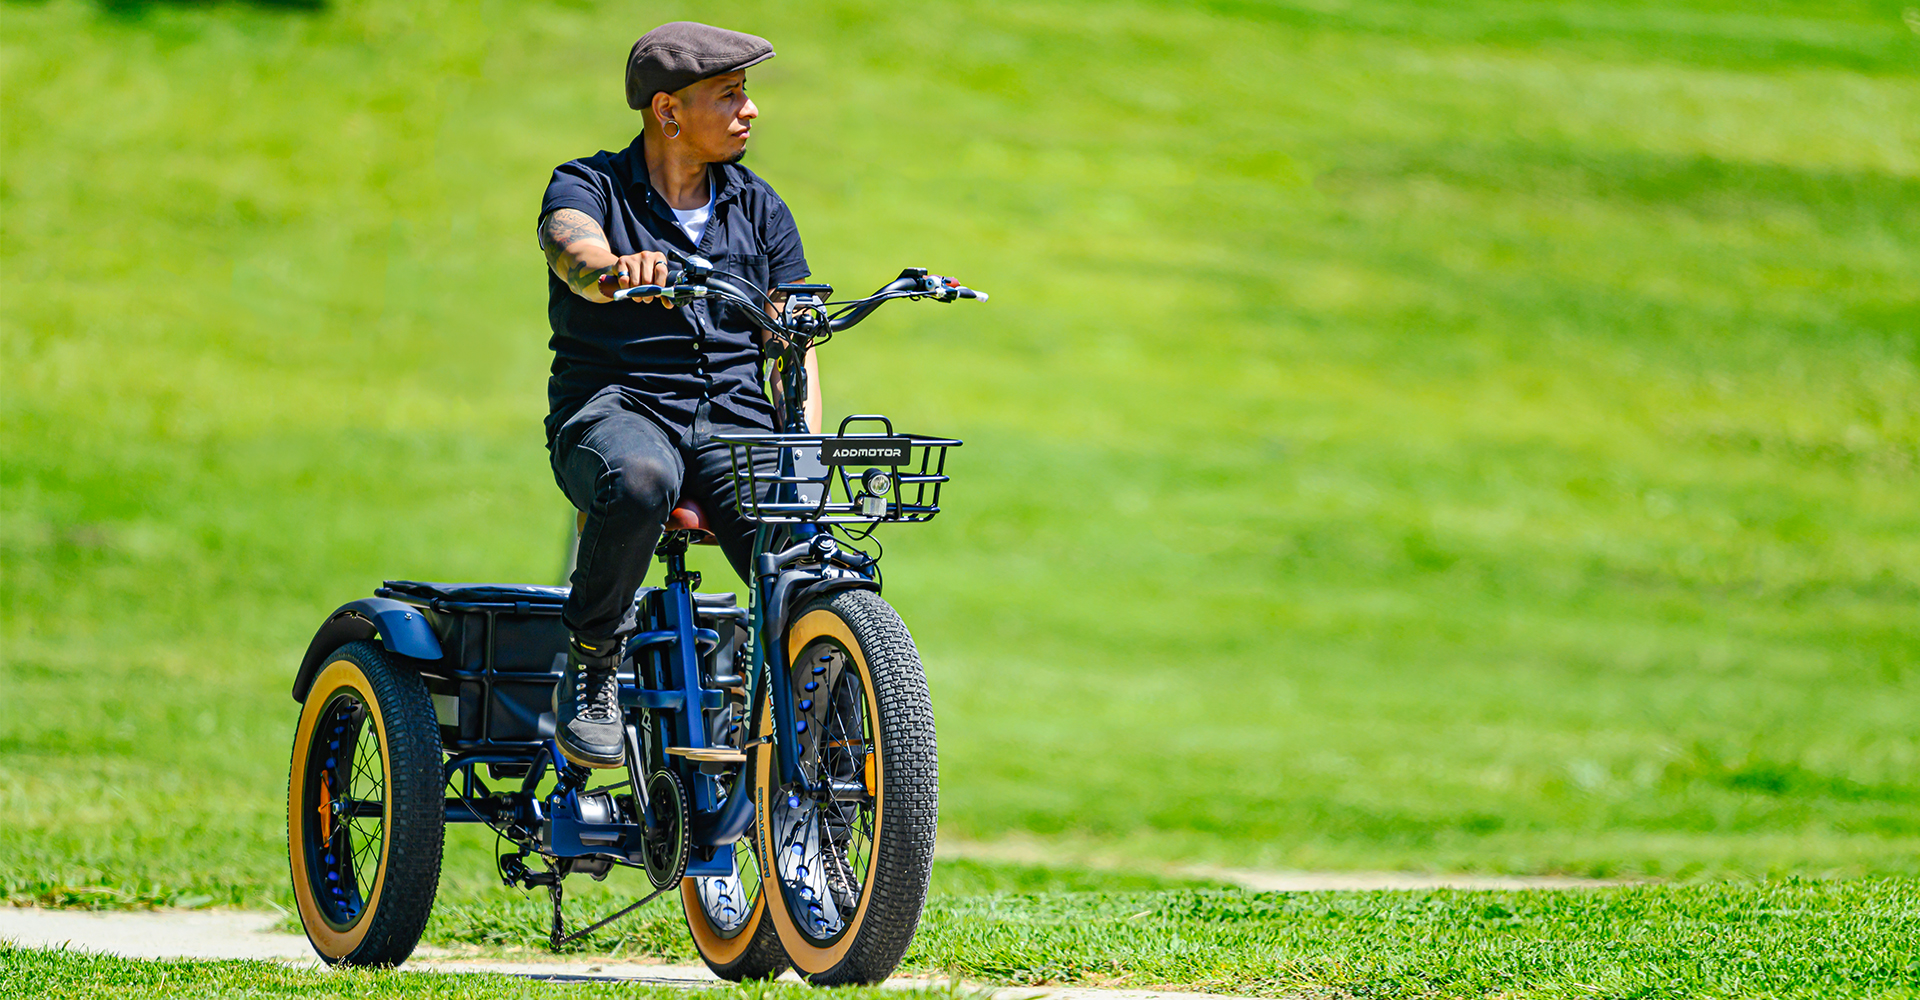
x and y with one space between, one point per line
683 656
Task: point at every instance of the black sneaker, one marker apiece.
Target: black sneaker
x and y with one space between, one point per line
586 705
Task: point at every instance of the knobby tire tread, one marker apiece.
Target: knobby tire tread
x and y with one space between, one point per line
903 859
416 830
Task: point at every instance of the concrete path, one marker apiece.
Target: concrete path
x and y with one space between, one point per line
1286 881
229 934
1027 852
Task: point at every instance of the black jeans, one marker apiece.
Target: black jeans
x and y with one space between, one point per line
617 462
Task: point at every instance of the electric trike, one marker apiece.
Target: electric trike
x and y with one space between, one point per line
781 772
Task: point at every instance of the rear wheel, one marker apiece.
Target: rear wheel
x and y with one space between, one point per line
365 813
727 914
850 866
728 918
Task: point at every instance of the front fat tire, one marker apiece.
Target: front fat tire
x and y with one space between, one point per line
400 713
906 806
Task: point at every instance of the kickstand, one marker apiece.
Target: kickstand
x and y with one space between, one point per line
557 936
559 940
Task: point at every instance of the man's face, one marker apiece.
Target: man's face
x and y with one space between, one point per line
716 117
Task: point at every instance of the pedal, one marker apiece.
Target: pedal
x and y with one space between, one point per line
718 755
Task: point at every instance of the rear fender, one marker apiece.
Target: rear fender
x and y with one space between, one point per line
402 628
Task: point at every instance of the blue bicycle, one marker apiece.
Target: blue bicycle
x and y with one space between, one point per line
781 768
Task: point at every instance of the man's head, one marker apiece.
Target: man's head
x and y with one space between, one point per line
711 119
690 79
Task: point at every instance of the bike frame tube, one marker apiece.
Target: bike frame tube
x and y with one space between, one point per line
683 656
731 823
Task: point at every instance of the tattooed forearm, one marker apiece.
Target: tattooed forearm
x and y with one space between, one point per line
576 249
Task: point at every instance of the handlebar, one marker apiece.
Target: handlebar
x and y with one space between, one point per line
699 279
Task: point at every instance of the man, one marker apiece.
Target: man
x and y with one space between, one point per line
639 388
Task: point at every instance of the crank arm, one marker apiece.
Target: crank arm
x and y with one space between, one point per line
635 767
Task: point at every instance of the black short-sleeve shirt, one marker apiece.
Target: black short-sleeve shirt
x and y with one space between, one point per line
669 359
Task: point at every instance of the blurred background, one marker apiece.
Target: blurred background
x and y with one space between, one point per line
1479 436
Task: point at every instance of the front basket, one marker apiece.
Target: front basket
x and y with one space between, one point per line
820 476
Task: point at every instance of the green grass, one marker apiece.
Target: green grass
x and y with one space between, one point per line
1857 938
1436 436
25 972
1795 939
1039 926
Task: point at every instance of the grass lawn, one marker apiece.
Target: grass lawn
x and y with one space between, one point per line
67 974
1040 926
1473 436
1857 938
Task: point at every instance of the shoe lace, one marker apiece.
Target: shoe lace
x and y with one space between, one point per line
597 692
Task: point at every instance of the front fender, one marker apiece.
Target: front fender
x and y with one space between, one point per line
819 588
796 587
402 628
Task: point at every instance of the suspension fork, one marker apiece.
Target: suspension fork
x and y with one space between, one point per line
773 660
767 567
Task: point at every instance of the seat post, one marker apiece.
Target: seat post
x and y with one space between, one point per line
673 550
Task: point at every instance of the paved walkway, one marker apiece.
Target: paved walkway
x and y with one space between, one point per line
216 934
1264 880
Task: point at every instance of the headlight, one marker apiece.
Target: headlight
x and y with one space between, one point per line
876 483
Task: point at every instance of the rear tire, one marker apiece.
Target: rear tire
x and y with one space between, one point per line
366 819
727 916
849 876
738 945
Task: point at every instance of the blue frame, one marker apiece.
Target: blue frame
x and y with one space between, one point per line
667 695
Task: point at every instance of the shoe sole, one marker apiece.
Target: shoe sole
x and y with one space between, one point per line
575 755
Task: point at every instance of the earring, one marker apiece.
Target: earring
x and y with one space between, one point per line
676 128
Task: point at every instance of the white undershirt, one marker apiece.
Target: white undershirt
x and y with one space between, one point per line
694 220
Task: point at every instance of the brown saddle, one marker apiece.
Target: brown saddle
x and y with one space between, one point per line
686 516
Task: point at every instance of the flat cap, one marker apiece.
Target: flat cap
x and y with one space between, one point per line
682 52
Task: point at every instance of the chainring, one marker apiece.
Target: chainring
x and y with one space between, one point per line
665 853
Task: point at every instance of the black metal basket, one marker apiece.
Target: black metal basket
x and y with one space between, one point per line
824 478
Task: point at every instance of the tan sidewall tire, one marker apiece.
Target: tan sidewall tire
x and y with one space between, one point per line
806 956
339 675
755 952
714 949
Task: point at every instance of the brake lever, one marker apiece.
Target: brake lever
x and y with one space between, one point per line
945 289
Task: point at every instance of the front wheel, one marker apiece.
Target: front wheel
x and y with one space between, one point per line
849 860
365 816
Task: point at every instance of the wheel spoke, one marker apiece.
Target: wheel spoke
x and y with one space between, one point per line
349 777
825 845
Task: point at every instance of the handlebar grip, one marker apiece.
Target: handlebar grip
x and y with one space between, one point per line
969 293
642 291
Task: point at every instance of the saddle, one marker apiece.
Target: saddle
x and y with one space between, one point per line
686 516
